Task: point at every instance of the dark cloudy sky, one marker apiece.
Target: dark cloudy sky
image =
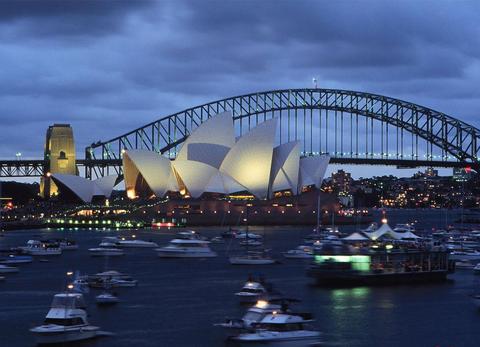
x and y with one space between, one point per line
109 66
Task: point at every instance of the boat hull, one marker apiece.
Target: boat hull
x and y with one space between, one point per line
244 261
62 336
277 342
175 254
105 252
354 278
8 270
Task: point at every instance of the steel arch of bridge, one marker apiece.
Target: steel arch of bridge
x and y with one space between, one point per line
353 127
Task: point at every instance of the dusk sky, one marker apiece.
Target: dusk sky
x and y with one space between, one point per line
107 67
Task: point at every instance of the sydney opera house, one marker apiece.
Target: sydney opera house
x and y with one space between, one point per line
213 160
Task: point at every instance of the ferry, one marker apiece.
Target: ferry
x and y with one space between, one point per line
380 266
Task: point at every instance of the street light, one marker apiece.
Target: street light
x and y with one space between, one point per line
18 155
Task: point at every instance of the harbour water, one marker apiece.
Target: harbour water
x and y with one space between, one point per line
177 301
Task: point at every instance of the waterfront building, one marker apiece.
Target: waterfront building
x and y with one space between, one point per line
213 160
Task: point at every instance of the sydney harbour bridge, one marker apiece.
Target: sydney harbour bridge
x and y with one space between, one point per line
352 127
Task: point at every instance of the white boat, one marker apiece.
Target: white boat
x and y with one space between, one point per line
247 235
7 269
464 264
106 298
253 315
252 258
251 291
186 248
250 242
16 259
465 255
189 235
35 247
301 252
104 251
110 279
64 244
66 321
476 300
476 269
280 330
136 244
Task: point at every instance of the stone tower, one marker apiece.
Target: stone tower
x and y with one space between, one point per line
59 156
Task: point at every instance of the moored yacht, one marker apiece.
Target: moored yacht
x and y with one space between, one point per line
280 329
301 252
35 247
107 298
66 321
186 248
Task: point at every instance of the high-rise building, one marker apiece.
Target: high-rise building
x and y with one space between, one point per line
59 155
461 174
341 181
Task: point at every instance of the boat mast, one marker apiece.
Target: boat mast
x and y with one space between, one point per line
318 211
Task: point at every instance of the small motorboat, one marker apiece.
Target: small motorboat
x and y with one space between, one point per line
8 269
186 248
476 300
136 244
301 252
253 290
252 258
251 242
111 279
66 321
106 298
217 239
104 251
464 264
280 329
189 235
247 235
16 259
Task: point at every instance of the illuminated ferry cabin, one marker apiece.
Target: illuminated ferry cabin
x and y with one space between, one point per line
387 266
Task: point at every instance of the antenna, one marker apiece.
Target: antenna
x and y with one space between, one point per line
314 81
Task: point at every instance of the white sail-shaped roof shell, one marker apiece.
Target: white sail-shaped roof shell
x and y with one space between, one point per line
86 189
105 185
285 167
312 170
249 162
224 184
210 142
155 169
195 175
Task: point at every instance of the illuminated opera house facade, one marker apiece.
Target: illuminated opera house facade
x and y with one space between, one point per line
213 160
